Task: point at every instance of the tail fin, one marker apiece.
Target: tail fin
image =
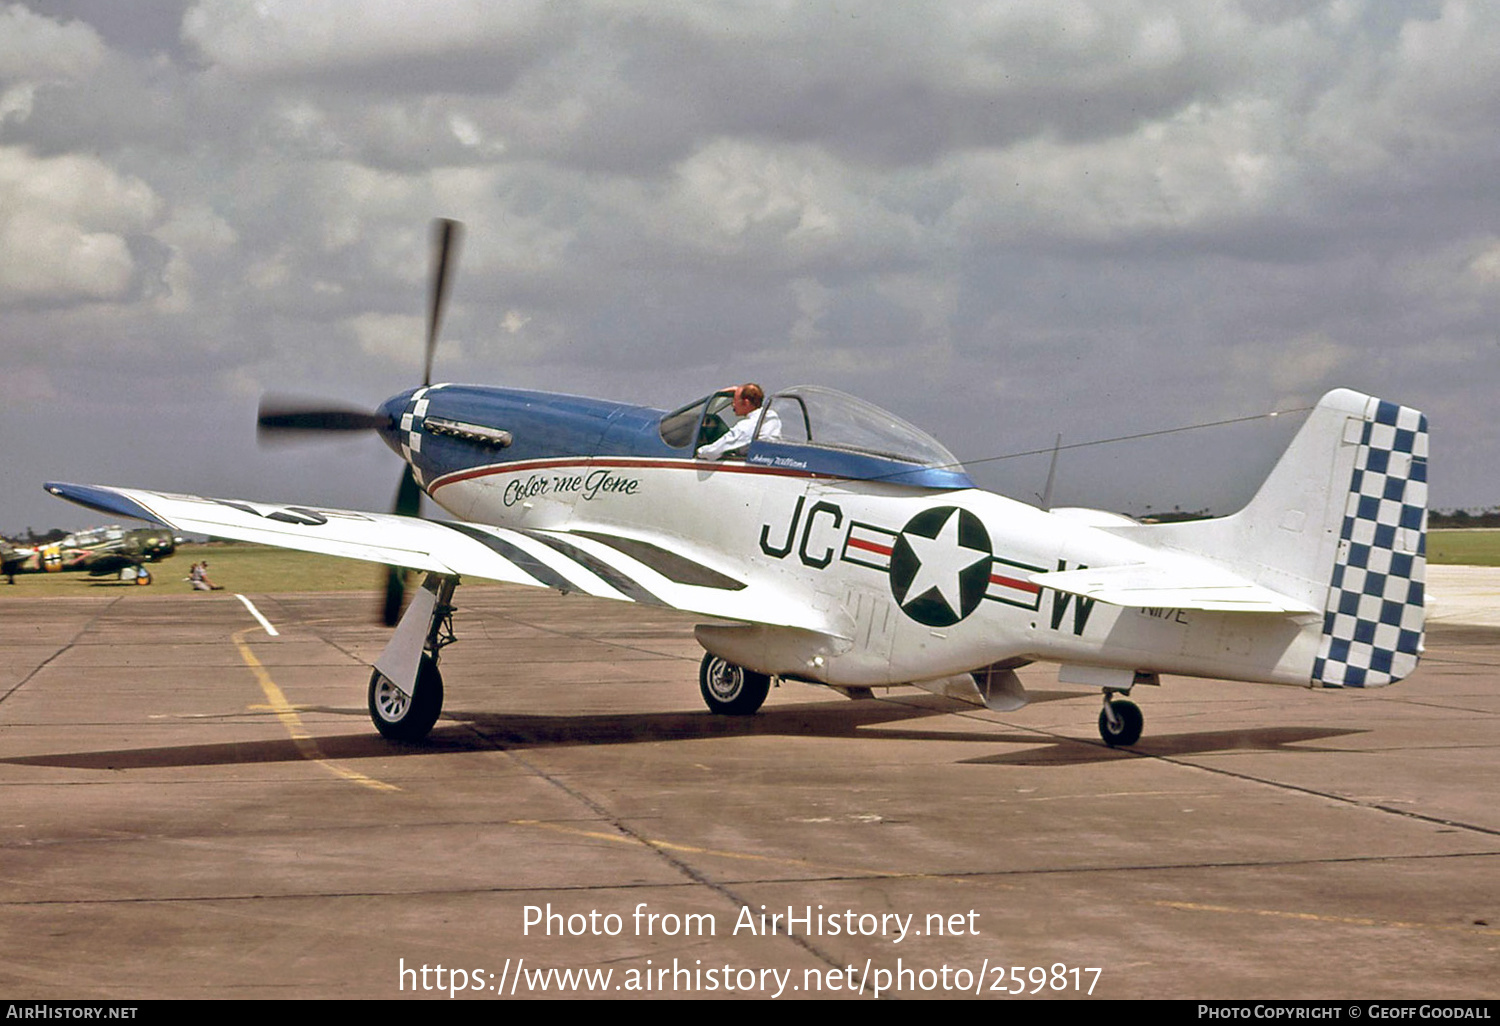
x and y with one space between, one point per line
1340 523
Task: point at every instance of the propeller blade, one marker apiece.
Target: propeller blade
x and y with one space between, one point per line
408 504
283 415
395 591
408 495
446 236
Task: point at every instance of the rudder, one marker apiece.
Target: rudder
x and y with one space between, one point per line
1375 615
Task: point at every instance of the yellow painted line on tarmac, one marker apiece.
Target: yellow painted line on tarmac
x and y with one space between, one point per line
287 714
1313 917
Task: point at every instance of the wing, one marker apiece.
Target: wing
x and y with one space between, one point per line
590 562
1152 585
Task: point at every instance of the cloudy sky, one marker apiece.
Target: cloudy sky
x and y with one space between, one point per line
1002 220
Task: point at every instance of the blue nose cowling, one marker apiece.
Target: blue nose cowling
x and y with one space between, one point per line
394 409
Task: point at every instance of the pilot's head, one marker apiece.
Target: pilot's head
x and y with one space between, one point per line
747 398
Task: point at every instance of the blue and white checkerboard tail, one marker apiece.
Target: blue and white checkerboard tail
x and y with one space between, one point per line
1374 616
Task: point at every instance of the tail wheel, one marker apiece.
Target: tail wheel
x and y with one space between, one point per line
402 717
731 690
1120 723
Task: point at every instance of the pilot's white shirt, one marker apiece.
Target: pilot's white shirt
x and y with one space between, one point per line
742 432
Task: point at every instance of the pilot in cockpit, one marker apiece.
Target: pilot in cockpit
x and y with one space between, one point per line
748 398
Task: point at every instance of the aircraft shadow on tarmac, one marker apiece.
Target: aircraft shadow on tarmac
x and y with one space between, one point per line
865 721
1201 742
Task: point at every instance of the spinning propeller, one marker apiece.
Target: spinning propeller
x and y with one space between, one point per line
280 415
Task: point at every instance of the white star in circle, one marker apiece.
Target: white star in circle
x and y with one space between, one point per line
941 561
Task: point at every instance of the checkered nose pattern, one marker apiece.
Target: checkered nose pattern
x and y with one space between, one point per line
1372 624
411 430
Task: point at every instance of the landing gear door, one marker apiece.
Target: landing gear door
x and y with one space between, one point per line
403 653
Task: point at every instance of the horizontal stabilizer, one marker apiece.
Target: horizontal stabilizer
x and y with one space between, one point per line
1160 586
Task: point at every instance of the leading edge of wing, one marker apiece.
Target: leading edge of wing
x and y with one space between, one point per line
564 561
1154 586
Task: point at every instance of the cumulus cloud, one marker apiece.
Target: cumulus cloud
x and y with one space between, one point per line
36 52
34 48
274 37
64 223
1001 218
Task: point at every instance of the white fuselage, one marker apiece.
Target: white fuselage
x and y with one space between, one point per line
913 590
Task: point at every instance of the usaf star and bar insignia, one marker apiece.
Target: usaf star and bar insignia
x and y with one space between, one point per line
942 565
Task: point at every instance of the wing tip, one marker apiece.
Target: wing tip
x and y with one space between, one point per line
106 500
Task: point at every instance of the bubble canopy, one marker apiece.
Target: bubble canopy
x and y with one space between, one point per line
830 419
827 431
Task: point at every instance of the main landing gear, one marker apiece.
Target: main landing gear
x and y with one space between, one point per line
1120 722
406 689
729 689
407 717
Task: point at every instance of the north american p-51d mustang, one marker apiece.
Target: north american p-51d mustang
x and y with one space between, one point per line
845 547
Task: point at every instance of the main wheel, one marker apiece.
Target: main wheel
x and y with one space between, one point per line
402 717
729 689
1126 726
143 576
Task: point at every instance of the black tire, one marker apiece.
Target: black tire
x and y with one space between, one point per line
1128 730
399 717
731 690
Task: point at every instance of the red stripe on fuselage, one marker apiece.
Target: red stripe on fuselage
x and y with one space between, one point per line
617 461
855 543
1011 582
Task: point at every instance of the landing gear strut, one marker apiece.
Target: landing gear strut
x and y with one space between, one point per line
406 689
1120 722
